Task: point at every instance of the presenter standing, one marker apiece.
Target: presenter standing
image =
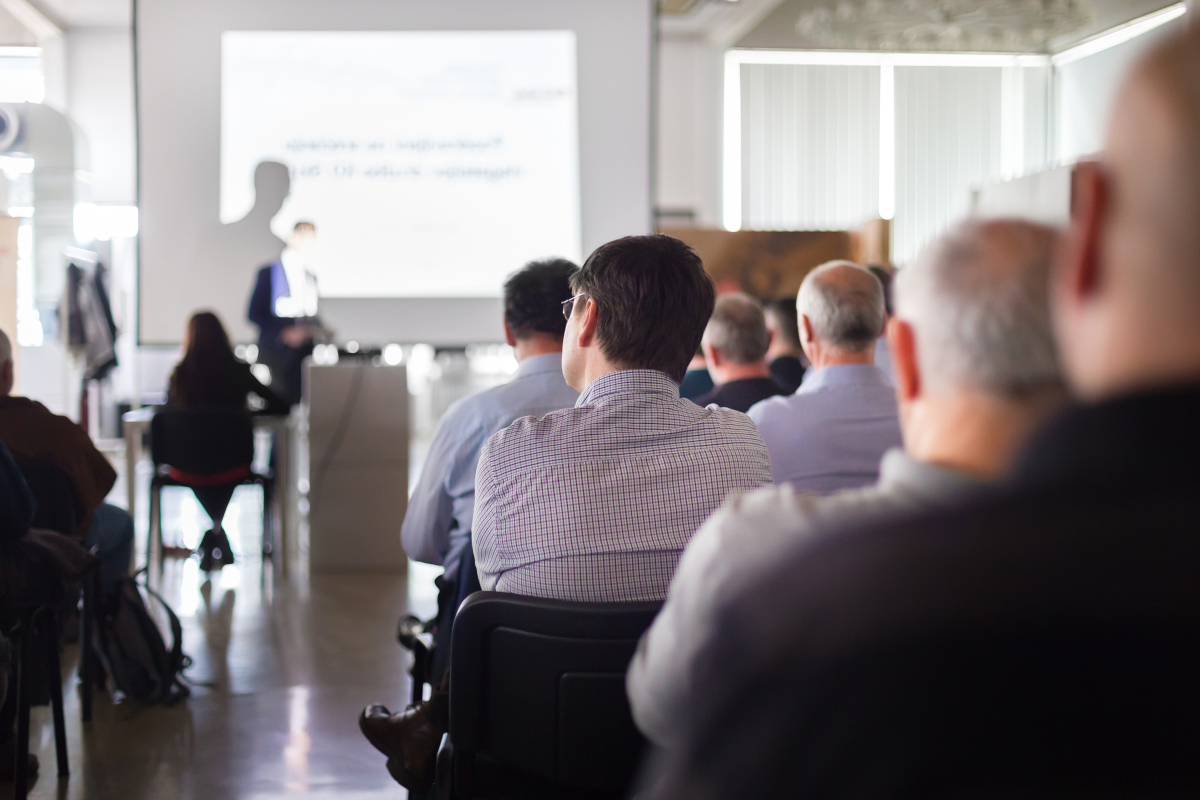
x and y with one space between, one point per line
284 307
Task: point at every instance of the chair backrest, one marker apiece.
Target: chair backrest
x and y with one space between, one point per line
539 686
58 507
202 441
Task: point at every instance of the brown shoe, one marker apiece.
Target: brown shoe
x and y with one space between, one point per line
409 739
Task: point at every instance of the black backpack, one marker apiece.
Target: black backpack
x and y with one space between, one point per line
132 650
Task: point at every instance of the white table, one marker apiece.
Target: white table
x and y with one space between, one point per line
137 423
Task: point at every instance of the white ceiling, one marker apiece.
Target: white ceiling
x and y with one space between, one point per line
87 13
778 28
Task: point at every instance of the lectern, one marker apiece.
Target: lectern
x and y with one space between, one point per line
358 465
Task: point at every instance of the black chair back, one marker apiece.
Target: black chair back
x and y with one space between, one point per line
202 441
538 686
58 508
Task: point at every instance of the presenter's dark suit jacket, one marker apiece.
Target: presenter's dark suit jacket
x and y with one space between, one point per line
262 311
285 362
1042 640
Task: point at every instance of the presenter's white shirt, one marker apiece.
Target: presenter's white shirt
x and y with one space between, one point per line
302 287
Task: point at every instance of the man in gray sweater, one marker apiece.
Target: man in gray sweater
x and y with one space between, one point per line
975 370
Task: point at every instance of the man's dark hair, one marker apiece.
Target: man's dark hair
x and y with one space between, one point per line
653 301
885 277
533 297
786 320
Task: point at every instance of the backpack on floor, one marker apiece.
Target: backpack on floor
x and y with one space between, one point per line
132 650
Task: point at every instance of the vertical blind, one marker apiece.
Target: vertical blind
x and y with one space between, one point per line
810 146
948 133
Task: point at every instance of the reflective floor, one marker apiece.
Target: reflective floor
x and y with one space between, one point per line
280 673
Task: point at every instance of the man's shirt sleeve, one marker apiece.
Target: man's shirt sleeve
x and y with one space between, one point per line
430 519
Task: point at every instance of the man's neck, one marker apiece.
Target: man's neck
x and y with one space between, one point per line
536 345
736 372
973 432
835 357
779 351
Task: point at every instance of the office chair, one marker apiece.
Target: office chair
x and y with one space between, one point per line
208 450
537 701
59 509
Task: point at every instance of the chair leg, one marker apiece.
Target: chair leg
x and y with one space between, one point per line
86 654
268 542
153 527
49 632
24 678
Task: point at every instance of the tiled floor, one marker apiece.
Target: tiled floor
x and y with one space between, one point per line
281 671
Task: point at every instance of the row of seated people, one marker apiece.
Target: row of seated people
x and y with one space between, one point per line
587 476
1008 610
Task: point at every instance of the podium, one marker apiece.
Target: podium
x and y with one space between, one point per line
358 437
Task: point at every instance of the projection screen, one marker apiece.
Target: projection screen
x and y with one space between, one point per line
436 146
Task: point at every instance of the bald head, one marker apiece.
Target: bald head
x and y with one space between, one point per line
976 300
843 304
1128 285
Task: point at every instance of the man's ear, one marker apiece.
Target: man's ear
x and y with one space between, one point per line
587 324
1079 270
806 331
902 342
711 354
508 335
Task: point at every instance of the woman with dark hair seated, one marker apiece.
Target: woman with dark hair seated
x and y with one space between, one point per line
209 374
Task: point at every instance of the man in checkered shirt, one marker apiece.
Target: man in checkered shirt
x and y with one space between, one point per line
596 503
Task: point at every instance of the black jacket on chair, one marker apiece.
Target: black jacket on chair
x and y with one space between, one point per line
1041 641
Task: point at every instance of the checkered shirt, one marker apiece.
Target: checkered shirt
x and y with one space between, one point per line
596 503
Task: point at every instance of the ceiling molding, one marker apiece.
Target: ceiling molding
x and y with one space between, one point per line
33 18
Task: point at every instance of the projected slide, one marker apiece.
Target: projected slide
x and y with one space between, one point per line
432 163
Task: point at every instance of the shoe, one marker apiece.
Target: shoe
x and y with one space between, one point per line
409 739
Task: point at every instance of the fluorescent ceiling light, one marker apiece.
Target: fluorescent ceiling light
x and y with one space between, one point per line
1120 34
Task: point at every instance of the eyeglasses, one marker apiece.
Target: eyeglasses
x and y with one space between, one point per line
569 306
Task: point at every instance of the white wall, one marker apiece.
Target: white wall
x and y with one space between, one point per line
688 174
100 101
1086 89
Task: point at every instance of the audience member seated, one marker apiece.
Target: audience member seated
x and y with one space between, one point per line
32 432
1071 594
596 503
832 432
735 346
696 381
977 370
883 356
785 356
209 374
437 527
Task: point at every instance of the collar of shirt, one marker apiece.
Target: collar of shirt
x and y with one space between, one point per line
901 474
843 375
539 365
625 382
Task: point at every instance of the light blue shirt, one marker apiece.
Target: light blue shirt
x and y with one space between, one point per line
832 432
438 523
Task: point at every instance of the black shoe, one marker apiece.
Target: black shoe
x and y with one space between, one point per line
409 739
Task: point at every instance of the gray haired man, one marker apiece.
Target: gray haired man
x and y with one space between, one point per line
832 432
976 370
735 347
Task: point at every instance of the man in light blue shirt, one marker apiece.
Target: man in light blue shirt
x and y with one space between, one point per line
832 433
437 527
